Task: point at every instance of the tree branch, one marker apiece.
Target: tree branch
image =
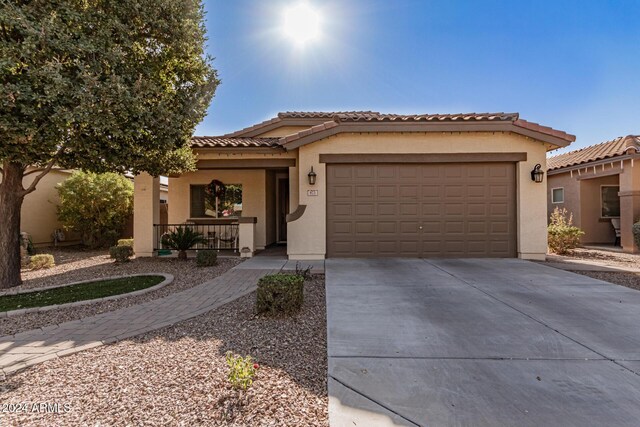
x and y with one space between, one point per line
37 179
41 169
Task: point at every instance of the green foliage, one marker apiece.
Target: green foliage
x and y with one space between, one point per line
207 258
562 234
241 370
95 205
182 239
103 85
280 294
636 233
125 242
41 261
121 253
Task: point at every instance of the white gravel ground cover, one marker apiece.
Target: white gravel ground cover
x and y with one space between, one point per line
177 375
73 265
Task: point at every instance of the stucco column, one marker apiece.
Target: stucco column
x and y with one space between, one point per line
146 213
629 205
247 236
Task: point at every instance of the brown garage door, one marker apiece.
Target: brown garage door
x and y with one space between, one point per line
421 210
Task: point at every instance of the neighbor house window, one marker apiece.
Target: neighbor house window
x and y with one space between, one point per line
557 195
610 201
205 204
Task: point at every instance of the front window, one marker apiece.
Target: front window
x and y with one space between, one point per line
610 201
557 195
216 200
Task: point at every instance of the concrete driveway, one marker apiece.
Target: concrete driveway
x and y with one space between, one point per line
479 343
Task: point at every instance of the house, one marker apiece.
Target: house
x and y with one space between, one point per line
39 213
599 184
365 184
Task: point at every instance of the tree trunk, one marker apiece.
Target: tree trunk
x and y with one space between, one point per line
11 197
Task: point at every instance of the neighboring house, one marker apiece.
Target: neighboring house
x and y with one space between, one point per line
39 214
365 184
600 186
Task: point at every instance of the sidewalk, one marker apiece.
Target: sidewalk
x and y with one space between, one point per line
32 347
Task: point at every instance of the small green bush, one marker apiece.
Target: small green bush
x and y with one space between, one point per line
42 261
182 239
562 234
280 293
125 242
241 370
207 258
121 253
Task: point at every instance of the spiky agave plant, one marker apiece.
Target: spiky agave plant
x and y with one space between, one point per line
182 239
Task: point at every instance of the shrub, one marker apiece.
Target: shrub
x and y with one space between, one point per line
207 258
280 293
121 253
42 261
125 242
182 239
636 233
241 370
563 235
304 272
96 206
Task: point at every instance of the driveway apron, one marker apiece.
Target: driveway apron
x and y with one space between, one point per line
479 342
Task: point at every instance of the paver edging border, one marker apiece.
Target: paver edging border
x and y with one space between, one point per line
168 278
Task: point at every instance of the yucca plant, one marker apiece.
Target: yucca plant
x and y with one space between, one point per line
181 239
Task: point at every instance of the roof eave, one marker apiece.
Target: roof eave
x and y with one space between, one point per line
477 126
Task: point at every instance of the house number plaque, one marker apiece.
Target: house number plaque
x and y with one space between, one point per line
312 192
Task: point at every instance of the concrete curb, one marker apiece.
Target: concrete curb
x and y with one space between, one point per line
168 278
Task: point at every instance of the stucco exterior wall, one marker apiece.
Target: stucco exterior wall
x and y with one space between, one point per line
307 235
253 195
571 195
596 229
39 210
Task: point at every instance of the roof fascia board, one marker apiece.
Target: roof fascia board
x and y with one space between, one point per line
237 150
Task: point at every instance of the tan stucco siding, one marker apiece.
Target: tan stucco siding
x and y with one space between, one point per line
571 202
307 235
39 215
253 195
597 229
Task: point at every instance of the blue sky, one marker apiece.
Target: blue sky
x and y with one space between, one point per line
572 65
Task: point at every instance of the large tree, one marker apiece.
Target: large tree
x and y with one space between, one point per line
99 85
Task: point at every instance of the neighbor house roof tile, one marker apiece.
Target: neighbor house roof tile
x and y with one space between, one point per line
617 147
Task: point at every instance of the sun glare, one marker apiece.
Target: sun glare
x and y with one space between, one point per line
302 23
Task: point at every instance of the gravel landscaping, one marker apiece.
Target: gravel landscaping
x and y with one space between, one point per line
610 258
630 280
74 265
177 375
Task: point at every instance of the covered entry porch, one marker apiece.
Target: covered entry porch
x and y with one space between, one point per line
239 206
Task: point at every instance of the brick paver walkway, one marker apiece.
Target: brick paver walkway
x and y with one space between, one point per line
32 347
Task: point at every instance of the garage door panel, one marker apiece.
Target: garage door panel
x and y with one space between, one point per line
421 210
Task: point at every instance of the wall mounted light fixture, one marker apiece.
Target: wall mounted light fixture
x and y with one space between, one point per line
312 177
537 174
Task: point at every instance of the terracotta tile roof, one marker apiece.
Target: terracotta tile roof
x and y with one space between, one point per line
371 117
328 120
232 142
629 144
323 114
